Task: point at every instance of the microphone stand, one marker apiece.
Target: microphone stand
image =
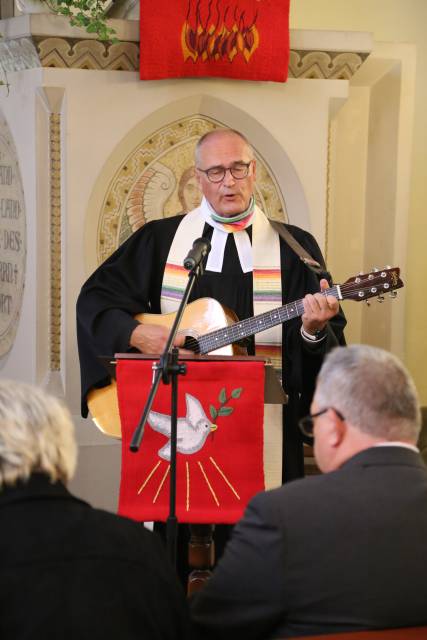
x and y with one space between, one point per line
168 369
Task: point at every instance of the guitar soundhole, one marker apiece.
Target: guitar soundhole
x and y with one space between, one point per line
192 344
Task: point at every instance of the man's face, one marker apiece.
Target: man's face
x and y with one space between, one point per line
230 196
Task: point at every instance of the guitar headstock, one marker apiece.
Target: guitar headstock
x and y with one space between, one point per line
376 283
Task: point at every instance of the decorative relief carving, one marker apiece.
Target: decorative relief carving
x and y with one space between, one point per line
18 54
158 180
55 240
72 53
87 54
324 65
13 239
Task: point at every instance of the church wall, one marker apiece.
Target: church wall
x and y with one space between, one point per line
369 186
99 114
381 186
348 156
395 21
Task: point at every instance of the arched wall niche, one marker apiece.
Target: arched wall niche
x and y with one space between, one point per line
149 174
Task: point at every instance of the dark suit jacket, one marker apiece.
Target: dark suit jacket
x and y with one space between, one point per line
70 571
343 551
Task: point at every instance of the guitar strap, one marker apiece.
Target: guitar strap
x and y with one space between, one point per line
303 255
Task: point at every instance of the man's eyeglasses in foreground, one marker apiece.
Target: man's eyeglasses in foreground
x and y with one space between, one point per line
306 424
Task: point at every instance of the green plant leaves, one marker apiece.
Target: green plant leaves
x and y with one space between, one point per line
88 14
222 397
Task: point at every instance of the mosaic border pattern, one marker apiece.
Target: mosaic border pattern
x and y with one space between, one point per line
55 240
73 53
325 65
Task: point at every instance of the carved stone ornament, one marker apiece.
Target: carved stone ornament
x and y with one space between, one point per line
13 242
157 180
325 65
73 53
18 54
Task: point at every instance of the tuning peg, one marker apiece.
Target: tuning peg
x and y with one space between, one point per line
374 269
368 304
393 294
380 298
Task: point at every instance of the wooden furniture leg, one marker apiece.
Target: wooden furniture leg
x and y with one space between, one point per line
201 556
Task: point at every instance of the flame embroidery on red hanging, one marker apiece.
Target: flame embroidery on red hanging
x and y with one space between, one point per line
218 34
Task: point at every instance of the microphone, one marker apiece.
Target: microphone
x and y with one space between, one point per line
200 249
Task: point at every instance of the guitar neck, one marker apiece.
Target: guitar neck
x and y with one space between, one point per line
244 328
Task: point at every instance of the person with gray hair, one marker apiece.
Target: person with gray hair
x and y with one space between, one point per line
347 379
341 551
68 570
36 435
141 277
250 270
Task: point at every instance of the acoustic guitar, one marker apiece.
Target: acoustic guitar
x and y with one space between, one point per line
211 328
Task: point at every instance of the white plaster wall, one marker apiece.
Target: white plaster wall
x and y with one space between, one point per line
395 21
346 225
370 171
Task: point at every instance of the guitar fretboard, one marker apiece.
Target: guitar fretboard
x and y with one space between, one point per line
244 328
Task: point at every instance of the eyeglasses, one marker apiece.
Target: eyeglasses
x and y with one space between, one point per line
306 424
239 171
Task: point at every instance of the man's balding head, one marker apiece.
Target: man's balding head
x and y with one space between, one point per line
217 134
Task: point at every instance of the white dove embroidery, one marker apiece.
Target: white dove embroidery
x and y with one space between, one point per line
192 430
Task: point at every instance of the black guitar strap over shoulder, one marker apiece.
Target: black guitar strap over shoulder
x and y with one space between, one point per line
303 255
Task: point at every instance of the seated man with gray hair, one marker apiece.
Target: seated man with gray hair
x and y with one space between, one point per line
345 550
68 570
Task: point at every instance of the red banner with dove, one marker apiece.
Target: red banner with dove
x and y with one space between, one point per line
241 39
220 441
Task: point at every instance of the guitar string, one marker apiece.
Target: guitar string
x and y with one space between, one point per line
252 325
260 320
212 341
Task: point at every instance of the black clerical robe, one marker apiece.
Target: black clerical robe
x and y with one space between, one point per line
130 281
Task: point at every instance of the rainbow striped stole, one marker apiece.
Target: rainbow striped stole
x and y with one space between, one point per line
267 282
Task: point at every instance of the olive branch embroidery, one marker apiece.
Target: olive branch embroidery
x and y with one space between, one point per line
223 409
